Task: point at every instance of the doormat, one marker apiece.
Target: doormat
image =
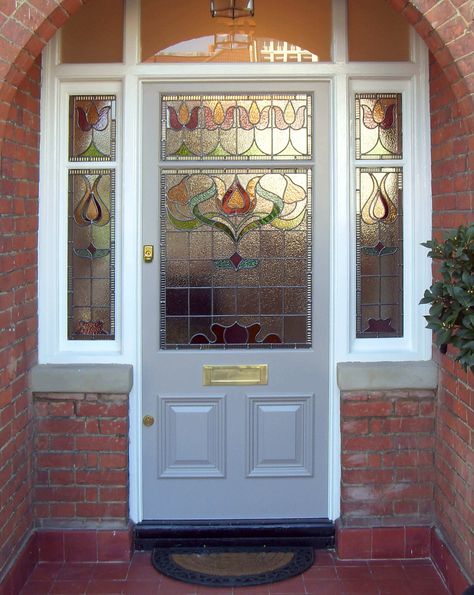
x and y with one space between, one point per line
232 566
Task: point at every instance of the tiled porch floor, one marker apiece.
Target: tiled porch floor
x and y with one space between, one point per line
328 576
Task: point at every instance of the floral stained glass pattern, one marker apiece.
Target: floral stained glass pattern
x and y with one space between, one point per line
92 128
379 252
378 125
235 258
243 127
91 254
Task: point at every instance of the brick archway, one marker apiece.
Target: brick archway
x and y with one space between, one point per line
445 26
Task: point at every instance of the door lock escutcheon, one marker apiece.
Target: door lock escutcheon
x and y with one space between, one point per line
148 253
148 420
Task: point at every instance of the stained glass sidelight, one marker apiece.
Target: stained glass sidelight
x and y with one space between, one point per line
92 128
379 252
91 254
378 125
235 258
244 127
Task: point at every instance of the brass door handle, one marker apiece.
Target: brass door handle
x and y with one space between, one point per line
148 420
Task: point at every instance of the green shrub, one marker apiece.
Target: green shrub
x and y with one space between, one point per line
451 315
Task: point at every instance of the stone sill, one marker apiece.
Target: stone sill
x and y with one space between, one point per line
85 378
421 375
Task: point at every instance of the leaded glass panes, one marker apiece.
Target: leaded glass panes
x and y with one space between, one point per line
91 254
235 258
244 127
92 128
378 125
379 252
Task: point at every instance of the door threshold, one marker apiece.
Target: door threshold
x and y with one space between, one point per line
318 533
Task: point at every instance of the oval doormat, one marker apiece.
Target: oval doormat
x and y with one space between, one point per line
232 566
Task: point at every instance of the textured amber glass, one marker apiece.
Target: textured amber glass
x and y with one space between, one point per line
91 254
92 127
376 32
94 34
379 252
235 258
378 125
244 127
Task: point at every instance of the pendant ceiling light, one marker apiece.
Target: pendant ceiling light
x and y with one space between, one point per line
232 9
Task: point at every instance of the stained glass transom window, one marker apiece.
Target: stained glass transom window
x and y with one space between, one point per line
235 258
92 128
91 254
379 252
243 127
378 125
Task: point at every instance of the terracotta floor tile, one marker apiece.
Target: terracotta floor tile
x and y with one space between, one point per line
169 586
381 573
144 572
114 571
100 587
46 571
429 587
77 587
327 572
359 586
323 587
76 570
36 588
133 587
256 590
328 576
394 587
360 572
322 558
291 586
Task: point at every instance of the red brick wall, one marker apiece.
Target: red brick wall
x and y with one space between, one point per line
81 458
453 202
387 458
18 306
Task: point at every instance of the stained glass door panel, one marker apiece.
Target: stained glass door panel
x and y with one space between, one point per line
235 258
234 283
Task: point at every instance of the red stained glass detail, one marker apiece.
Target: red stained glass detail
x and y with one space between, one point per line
176 122
382 325
93 118
234 335
387 122
236 259
95 327
236 200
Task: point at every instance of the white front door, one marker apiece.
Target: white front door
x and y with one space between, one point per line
236 205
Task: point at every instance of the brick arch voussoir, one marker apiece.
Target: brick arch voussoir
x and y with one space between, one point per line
446 28
23 34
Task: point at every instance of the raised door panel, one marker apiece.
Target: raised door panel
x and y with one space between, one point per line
192 437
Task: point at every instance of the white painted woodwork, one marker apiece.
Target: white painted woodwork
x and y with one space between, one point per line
126 80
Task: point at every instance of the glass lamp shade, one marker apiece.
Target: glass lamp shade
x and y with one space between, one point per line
232 9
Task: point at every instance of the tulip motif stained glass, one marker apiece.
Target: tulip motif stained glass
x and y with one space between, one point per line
91 254
92 127
243 127
379 252
235 258
378 125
